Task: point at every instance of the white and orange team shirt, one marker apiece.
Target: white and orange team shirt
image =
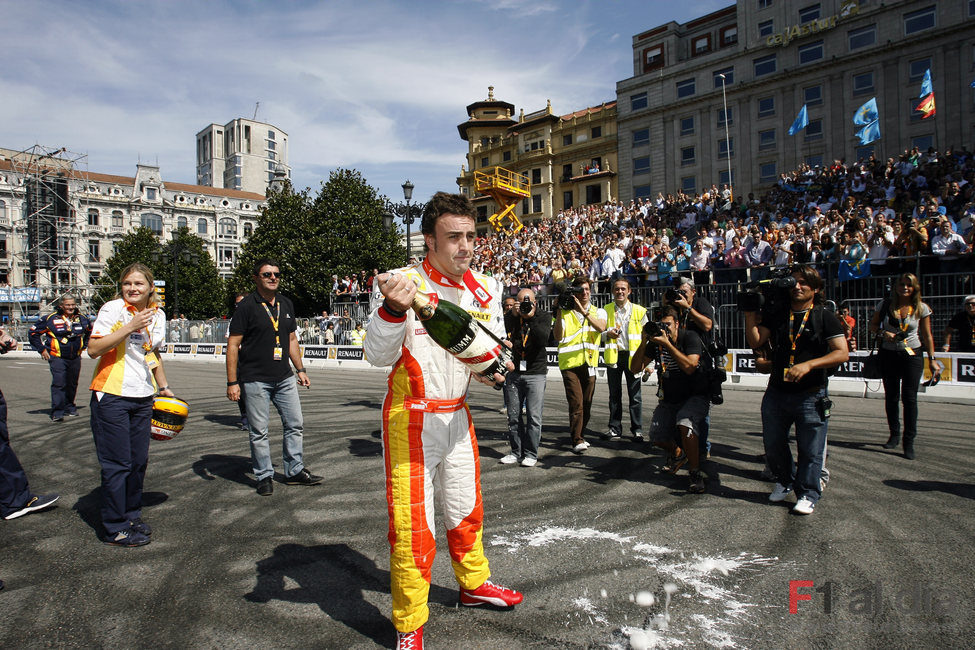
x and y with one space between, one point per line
123 370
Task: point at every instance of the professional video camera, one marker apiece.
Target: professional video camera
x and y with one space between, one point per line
769 296
567 296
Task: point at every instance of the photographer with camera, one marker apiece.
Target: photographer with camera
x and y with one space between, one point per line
624 322
806 341
528 329
577 328
695 313
682 391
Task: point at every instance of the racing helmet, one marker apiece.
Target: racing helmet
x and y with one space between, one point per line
168 417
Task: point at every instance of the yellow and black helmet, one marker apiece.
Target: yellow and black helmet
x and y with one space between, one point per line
168 417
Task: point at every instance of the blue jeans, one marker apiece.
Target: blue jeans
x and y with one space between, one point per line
614 376
284 396
780 410
14 491
523 435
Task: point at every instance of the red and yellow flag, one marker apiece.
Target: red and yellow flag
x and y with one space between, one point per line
926 107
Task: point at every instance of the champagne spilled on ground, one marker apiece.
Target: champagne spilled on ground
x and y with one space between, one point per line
453 329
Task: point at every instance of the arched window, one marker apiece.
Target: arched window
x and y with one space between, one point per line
248 229
3 209
117 220
201 226
153 222
228 227
181 222
92 216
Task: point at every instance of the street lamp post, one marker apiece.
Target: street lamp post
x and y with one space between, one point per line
408 219
177 251
727 139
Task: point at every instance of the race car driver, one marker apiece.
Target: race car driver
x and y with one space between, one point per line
61 338
427 427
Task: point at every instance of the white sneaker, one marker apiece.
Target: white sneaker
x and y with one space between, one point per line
586 444
580 448
528 461
779 493
510 459
804 506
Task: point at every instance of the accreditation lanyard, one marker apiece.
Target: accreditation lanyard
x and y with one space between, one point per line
904 325
523 364
275 320
794 338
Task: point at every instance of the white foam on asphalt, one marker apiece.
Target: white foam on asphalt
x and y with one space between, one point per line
702 582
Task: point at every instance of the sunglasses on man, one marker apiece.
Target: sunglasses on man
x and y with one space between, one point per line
270 274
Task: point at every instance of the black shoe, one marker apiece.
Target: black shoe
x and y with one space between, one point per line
265 487
1 585
73 414
892 442
129 538
909 451
35 503
304 477
141 526
54 419
698 483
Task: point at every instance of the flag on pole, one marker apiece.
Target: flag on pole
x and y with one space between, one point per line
926 88
926 107
801 122
868 118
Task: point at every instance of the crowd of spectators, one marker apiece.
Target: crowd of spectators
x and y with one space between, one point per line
892 212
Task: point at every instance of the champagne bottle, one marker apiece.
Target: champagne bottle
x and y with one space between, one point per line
456 331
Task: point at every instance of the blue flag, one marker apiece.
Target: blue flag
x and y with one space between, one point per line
869 133
850 270
867 113
802 121
926 88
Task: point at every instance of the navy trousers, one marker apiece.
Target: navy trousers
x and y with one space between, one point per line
64 385
14 491
120 427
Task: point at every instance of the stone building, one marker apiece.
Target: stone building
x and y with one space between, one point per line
570 160
98 210
771 57
241 155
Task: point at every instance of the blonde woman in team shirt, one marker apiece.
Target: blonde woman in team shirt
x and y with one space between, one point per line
126 338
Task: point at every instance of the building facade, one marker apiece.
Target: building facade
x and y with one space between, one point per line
98 210
768 58
570 160
241 155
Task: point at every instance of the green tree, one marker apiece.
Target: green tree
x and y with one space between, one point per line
201 291
340 231
137 246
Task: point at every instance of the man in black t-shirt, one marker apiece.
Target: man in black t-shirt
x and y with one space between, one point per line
683 402
529 332
694 313
805 344
262 338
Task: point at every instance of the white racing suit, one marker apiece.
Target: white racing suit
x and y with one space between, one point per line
428 441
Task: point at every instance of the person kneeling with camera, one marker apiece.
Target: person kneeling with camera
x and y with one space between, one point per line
683 392
806 341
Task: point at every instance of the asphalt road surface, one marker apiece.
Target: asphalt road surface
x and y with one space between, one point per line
591 540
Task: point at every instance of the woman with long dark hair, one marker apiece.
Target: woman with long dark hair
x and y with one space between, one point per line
126 338
903 323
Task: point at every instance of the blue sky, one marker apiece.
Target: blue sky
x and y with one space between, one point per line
377 86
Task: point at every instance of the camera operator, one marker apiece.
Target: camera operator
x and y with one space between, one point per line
695 313
577 328
528 329
683 392
806 341
508 305
624 322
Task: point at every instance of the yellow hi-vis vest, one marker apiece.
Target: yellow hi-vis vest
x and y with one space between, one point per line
580 341
356 337
633 333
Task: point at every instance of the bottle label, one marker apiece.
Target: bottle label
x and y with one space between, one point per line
478 350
